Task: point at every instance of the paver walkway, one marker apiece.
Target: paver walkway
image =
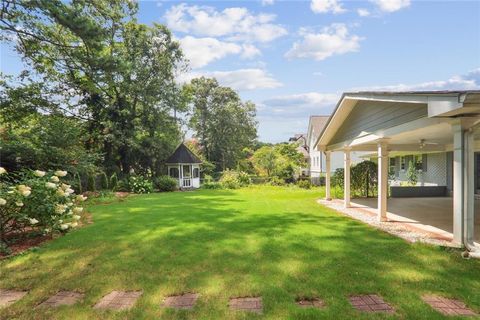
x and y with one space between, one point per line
370 303
448 307
184 301
7 297
251 304
118 300
311 303
62 298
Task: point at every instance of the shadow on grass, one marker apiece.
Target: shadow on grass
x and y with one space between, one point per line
222 244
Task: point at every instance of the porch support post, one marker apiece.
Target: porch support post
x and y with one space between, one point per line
457 182
346 179
327 175
469 188
382 180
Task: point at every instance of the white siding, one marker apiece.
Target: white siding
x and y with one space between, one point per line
436 174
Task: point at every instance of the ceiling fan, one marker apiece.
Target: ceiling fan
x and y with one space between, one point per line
424 143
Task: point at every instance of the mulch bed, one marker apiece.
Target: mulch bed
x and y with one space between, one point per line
25 243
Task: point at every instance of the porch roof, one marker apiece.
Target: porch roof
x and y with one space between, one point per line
415 120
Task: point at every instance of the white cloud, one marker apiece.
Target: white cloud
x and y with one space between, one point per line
238 24
241 80
202 51
333 40
249 51
363 12
325 6
391 5
267 2
468 81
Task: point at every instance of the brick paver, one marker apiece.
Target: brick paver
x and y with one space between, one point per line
370 303
7 297
62 298
251 304
184 301
118 300
447 306
310 303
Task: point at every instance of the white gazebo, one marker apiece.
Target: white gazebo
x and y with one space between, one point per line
184 166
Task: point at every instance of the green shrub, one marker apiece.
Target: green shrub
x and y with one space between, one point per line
113 181
276 181
78 182
103 181
123 185
212 185
91 183
166 183
37 201
139 184
232 179
304 184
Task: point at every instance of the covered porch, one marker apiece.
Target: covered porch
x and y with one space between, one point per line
413 125
429 215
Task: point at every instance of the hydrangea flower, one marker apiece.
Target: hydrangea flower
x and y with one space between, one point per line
39 173
60 208
19 204
60 173
24 190
76 217
77 210
81 198
64 226
33 221
3 202
54 179
51 185
2 170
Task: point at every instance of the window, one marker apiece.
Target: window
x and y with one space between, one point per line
418 161
186 171
173 172
403 161
392 165
196 172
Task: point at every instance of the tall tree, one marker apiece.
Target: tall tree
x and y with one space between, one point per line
223 123
117 74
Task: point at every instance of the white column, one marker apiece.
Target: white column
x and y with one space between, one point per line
327 175
382 181
346 185
469 189
457 182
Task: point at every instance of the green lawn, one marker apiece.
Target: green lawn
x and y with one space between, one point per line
274 242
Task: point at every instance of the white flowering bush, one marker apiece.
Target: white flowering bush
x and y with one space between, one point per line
139 184
40 201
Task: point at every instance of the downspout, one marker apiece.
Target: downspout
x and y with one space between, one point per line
471 251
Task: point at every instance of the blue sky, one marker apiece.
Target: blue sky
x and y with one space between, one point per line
295 58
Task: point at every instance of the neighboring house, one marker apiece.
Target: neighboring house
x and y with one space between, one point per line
437 131
317 165
302 148
184 166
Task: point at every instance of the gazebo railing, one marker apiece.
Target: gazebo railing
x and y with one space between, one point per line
186 183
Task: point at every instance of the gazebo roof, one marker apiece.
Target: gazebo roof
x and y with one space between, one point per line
183 155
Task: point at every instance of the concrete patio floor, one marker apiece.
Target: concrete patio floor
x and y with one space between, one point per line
433 215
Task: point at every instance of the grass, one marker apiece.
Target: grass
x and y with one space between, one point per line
274 242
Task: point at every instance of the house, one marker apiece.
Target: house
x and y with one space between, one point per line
438 131
301 140
317 165
184 166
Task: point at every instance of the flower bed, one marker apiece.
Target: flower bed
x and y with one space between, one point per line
36 203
